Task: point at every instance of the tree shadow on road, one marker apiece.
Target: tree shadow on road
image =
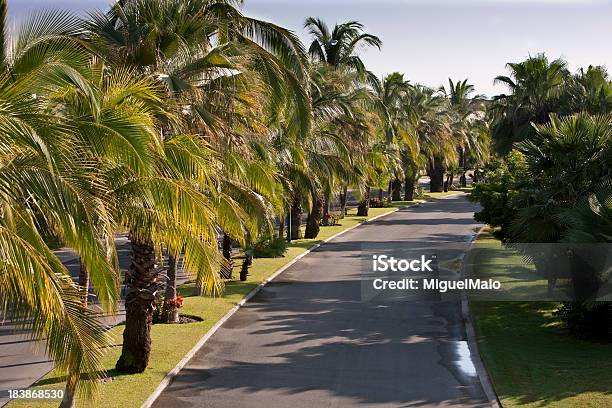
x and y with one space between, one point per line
283 346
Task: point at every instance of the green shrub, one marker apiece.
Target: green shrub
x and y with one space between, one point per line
331 219
270 247
498 192
378 203
590 320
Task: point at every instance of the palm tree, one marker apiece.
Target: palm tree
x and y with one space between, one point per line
46 185
391 94
591 91
338 47
337 137
567 160
536 86
210 51
431 124
468 122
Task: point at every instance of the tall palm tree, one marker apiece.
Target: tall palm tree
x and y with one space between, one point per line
390 100
46 185
338 47
201 51
430 120
468 124
590 90
536 88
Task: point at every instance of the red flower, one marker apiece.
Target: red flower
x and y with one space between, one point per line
178 302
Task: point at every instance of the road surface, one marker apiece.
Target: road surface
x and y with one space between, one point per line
308 340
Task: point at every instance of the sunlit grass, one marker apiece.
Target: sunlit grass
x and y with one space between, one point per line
532 360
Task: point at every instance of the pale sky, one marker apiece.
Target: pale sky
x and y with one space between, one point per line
431 40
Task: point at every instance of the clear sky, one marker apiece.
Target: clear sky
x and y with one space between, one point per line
431 40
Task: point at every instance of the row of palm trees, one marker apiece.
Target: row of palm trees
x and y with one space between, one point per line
185 123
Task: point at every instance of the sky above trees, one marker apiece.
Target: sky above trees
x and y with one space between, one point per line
431 40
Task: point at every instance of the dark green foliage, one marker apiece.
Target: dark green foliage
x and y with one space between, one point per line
498 193
591 320
270 247
556 187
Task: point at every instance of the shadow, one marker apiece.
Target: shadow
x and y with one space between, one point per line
26 364
101 375
308 339
527 338
307 343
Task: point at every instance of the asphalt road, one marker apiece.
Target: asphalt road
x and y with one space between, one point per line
308 340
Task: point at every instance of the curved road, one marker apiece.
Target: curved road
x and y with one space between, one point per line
308 340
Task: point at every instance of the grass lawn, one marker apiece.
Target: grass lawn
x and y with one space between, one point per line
442 194
532 360
172 342
426 197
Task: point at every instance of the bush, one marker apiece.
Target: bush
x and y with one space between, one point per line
330 219
591 321
498 191
378 203
270 247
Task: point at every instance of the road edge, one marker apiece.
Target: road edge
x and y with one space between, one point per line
183 362
481 370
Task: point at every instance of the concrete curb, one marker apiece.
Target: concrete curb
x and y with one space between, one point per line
483 375
181 364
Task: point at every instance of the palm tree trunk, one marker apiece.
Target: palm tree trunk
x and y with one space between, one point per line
380 195
314 219
364 205
325 205
436 175
226 249
463 180
343 198
171 314
69 390
396 190
409 188
296 219
449 182
281 226
142 282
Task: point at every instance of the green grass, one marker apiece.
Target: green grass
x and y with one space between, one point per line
532 360
426 197
442 194
171 342
488 259
402 204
